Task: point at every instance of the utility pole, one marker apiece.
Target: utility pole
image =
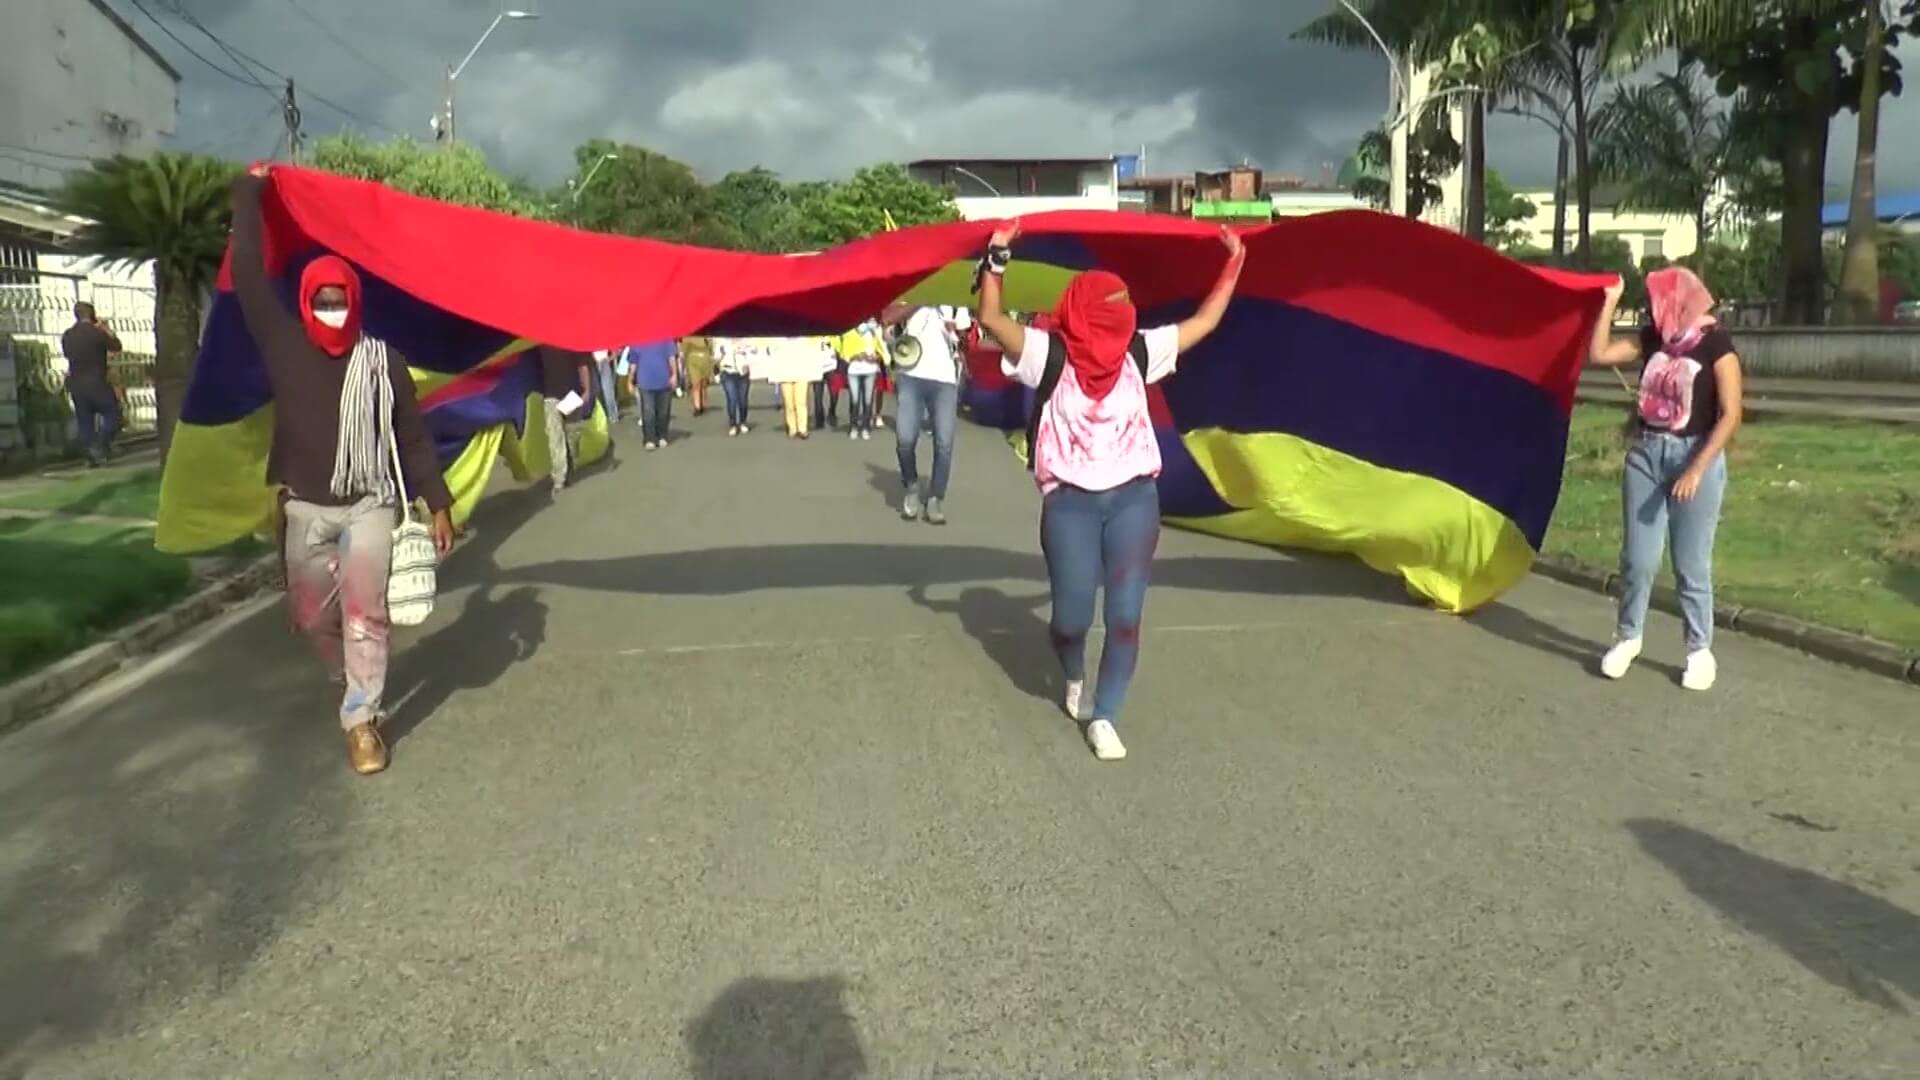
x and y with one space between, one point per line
290 112
446 113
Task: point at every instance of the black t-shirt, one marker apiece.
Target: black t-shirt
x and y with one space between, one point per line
1682 397
560 372
86 346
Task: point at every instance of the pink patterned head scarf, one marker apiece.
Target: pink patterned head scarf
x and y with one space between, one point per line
1682 307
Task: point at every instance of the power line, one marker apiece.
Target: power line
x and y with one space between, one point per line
344 44
46 153
249 80
242 56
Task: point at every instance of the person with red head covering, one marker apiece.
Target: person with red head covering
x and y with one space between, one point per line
344 411
1094 455
1676 470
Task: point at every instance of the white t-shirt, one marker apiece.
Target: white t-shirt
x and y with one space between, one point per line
937 363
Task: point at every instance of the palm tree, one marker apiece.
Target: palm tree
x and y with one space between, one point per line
171 210
1670 147
1804 88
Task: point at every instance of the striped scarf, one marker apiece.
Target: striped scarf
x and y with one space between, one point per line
360 460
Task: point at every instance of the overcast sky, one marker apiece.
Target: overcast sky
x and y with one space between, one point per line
814 88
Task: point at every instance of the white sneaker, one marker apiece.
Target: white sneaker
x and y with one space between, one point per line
1105 741
1074 691
1618 659
866 436
853 435
1702 670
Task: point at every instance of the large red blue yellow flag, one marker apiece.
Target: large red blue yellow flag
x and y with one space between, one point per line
1378 387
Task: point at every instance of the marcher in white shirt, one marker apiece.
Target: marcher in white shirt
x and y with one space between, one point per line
929 394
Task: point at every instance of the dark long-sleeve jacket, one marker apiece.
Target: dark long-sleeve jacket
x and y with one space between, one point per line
307 382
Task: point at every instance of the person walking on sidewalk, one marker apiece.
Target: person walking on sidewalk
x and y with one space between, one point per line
87 345
928 389
1676 470
346 418
1096 460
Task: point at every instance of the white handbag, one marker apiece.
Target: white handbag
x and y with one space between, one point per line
411 574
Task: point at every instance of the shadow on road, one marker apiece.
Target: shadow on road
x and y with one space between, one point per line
1010 630
151 851
777 1029
1852 939
489 635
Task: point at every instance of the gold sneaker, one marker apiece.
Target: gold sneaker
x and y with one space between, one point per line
366 751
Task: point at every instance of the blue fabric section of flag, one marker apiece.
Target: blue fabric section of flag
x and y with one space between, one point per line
230 382
452 421
1185 491
1275 367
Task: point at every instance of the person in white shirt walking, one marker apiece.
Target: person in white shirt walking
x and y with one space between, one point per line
927 378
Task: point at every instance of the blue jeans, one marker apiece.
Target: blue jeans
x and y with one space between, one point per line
656 414
860 400
735 387
96 412
1096 539
1651 516
924 401
608 397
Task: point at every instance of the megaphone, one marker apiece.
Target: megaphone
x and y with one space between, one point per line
906 352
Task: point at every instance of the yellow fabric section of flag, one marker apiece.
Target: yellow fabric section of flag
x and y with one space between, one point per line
1451 549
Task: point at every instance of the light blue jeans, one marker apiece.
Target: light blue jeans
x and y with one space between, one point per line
1098 541
925 403
1651 516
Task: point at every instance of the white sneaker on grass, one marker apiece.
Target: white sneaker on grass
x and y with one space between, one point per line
1702 670
1105 741
1075 690
1618 659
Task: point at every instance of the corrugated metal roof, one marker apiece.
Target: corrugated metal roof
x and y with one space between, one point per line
1891 206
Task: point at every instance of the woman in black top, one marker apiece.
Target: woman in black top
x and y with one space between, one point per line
1676 469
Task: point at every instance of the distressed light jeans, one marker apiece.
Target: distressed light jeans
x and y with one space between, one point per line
557 443
336 561
1651 517
1094 541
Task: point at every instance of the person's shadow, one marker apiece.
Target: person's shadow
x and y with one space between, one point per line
469 653
1858 942
1010 632
488 636
777 1029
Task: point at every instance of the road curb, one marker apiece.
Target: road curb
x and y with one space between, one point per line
37 694
1825 642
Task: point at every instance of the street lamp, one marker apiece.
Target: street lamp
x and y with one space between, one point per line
454 71
588 179
975 177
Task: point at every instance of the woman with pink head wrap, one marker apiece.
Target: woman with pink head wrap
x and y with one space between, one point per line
1676 469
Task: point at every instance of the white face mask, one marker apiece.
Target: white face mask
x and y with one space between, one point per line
334 317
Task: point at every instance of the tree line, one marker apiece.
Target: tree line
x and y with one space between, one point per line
1735 134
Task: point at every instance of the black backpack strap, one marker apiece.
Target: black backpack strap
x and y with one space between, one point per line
1049 378
1137 348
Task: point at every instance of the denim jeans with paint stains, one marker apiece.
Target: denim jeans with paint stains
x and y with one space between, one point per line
1097 540
337 559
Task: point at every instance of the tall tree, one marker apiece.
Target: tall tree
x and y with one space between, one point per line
1432 153
171 210
1802 62
756 211
1507 214
457 174
637 192
860 206
1671 146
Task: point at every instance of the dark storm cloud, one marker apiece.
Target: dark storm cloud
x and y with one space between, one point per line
817 88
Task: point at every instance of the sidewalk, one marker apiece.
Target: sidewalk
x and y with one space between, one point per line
1886 403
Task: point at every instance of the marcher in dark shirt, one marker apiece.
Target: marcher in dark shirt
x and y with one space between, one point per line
96 407
344 410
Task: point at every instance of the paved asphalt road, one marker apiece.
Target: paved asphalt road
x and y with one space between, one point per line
715 768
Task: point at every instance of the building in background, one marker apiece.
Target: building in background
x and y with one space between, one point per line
989 188
1647 234
78 84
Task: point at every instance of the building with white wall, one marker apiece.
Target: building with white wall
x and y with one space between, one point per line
994 188
78 83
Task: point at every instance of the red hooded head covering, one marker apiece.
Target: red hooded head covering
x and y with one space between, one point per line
320 273
1097 321
1682 306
